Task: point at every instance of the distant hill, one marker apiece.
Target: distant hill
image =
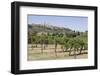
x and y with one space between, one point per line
48 28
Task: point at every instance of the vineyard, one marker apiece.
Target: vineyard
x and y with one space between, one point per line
48 42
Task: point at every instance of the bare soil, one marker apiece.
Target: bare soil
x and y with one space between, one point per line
49 53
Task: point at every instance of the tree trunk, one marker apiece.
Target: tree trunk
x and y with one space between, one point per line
46 44
74 53
32 43
55 49
41 47
70 51
62 48
66 49
36 44
80 50
32 46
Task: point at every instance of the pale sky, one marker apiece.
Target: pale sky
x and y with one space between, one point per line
76 23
